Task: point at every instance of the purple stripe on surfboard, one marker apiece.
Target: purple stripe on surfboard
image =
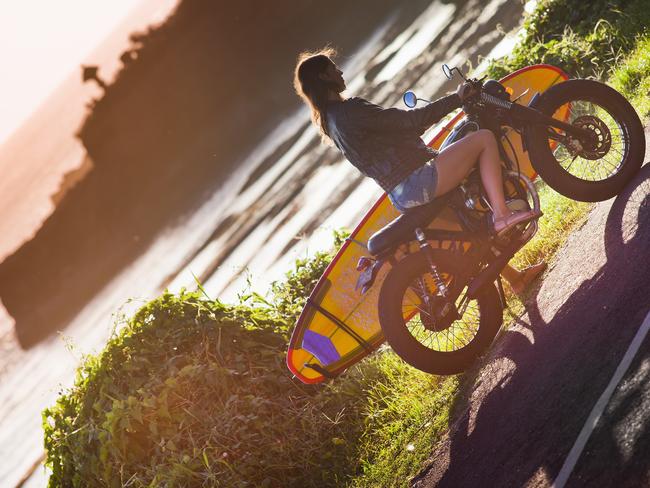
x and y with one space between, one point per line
321 347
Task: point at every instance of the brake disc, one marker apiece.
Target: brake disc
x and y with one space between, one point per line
600 142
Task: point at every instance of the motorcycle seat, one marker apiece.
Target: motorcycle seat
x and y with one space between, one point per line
402 229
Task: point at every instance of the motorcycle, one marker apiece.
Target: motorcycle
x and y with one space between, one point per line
441 307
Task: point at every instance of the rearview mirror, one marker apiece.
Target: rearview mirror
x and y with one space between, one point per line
447 71
410 100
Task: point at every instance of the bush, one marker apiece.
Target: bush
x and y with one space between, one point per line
289 296
196 393
586 39
193 392
632 78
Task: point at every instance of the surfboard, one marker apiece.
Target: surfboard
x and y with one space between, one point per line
338 325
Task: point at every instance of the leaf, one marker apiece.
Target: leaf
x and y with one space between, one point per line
136 413
163 412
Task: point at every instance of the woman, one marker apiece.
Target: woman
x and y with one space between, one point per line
385 144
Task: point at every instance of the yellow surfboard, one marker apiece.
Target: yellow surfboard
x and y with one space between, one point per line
339 326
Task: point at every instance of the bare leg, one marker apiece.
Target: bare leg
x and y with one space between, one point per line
490 166
455 162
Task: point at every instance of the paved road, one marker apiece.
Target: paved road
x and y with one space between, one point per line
525 405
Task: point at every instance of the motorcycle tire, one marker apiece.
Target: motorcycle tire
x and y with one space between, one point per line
603 171
463 341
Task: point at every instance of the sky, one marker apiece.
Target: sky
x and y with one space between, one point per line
42 42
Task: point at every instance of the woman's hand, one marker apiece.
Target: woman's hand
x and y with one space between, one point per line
466 90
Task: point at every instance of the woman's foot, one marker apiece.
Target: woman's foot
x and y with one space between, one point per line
503 224
525 277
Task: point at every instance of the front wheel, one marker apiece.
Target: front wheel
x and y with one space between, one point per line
593 170
411 319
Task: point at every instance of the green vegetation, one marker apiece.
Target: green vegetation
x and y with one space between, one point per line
604 39
561 215
193 392
632 77
584 38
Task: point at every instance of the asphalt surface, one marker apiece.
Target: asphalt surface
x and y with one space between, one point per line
524 405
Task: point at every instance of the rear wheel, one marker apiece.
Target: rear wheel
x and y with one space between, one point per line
414 324
592 170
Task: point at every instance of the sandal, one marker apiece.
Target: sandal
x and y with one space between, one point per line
504 224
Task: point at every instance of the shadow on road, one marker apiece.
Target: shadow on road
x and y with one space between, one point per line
519 414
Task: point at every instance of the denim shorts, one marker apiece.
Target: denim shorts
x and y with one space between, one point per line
416 189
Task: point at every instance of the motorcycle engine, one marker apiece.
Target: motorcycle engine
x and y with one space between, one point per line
472 195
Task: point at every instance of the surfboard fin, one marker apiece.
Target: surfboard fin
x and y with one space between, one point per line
319 369
369 268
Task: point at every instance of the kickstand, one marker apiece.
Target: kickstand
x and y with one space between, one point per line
502 293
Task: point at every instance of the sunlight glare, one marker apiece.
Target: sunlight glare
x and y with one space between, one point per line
43 42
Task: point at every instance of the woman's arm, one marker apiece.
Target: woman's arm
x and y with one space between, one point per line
374 117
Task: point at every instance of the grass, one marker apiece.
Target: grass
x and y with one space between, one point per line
586 39
632 77
561 216
405 412
412 420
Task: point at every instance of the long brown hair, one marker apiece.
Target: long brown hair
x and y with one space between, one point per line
311 88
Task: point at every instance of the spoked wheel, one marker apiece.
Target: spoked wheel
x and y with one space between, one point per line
589 170
423 329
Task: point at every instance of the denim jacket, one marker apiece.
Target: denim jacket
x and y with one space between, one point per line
385 143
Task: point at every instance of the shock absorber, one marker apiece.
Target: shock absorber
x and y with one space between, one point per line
426 249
